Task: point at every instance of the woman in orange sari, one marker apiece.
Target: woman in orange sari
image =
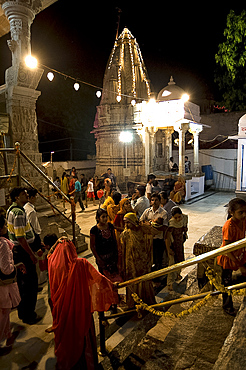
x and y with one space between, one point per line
77 290
178 193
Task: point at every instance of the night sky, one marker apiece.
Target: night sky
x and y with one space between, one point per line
76 38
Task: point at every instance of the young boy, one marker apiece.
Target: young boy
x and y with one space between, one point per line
90 191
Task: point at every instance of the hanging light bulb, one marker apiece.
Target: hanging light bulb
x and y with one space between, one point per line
99 93
76 86
50 76
118 98
133 102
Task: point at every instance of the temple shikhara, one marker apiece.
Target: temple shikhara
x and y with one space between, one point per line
147 121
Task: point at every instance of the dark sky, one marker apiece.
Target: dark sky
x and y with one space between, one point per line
76 38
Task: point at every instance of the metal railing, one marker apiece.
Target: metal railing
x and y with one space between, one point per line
19 154
152 275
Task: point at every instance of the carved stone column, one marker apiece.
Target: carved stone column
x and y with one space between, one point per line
21 82
195 130
147 152
168 146
182 130
20 14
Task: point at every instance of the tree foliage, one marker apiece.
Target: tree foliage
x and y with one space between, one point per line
230 74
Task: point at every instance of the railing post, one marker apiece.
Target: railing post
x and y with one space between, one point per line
17 147
73 206
102 351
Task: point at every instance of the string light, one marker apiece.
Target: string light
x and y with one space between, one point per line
118 98
132 65
134 52
76 86
50 76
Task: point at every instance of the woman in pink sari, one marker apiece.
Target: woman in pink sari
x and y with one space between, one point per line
77 290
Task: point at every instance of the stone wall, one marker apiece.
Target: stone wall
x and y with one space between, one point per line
221 124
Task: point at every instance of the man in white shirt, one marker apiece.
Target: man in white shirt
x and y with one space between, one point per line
158 215
31 212
142 202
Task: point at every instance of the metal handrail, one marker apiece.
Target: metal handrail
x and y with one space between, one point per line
45 176
17 150
192 261
178 300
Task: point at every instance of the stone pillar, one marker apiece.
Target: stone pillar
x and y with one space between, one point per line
182 130
21 82
20 14
168 146
195 130
147 152
152 149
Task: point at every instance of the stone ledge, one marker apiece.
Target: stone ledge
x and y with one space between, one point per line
233 352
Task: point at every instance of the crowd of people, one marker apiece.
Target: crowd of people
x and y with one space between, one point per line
133 235
80 188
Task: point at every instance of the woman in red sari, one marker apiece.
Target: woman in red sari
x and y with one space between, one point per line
77 290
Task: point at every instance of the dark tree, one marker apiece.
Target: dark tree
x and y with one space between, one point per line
230 74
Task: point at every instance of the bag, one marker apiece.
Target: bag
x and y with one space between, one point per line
8 279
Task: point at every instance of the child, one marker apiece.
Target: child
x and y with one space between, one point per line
9 292
90 191
175 237
233 230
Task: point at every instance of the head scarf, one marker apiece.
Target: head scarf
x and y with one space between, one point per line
177 224
131 217
122 210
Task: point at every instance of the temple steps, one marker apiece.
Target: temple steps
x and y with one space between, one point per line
193 342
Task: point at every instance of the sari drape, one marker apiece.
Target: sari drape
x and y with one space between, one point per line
77 290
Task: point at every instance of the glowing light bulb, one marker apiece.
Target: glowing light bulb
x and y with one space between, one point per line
133 102
31 62
99 93
50 76
185 97
118 98
76 86
126 136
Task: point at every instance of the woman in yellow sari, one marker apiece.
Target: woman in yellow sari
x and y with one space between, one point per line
137 245
119 225
178 193
113 209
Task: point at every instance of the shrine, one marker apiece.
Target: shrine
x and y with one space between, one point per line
128 105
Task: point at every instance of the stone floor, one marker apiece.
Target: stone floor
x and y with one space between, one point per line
34 349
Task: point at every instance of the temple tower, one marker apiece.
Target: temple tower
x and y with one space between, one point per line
125 84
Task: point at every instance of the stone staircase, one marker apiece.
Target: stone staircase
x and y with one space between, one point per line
52 222
201 340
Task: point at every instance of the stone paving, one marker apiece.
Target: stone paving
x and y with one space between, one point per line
34 348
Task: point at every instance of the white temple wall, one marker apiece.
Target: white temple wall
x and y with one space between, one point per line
223 162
